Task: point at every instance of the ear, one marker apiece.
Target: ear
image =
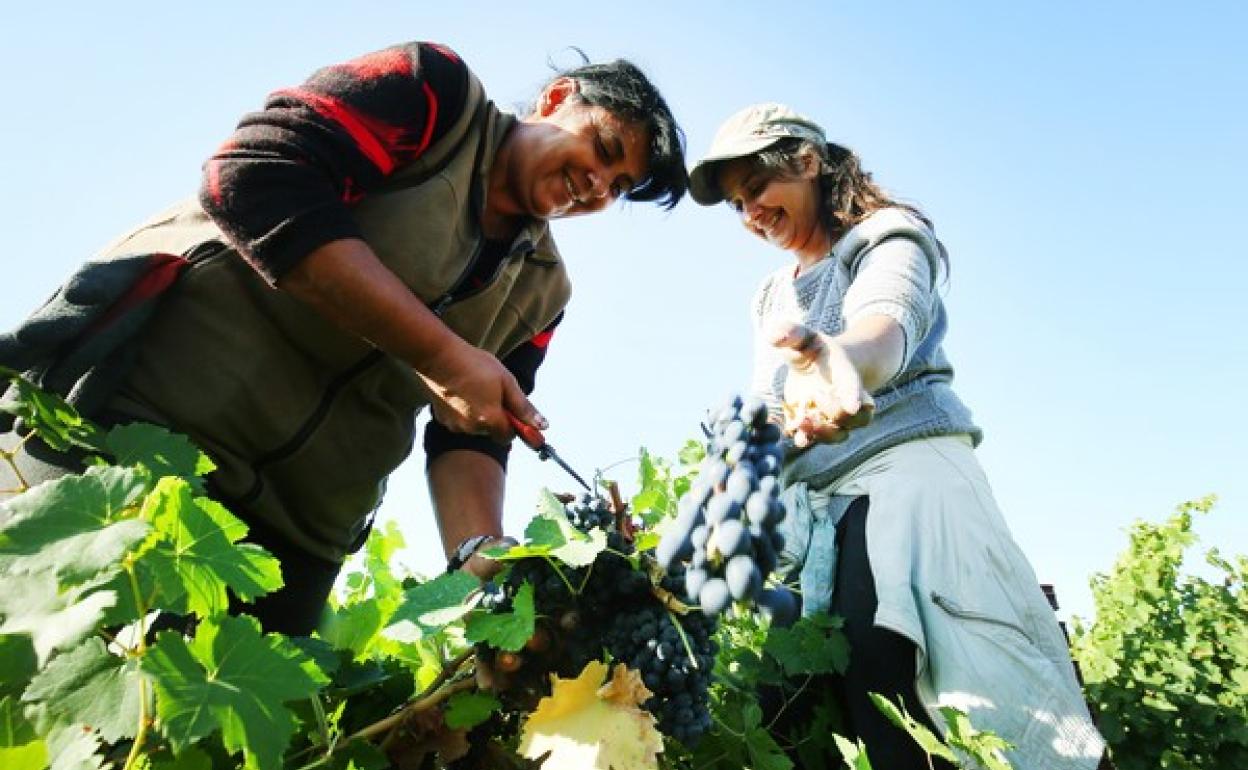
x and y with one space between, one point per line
556 93
812 164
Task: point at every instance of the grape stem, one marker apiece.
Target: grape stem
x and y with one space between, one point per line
669 600
9 457
140 650
787 701
623 522
562 577
680 631
423 704
432 695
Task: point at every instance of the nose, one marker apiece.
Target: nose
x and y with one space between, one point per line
597 185
751 213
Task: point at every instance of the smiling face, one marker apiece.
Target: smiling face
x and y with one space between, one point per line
782 210
567 158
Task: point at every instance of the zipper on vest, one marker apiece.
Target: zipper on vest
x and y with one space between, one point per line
458 292
439 305
953 608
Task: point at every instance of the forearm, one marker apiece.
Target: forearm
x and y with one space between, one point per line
875 345
345 282
466 489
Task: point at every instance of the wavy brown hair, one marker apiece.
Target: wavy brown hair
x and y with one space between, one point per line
848 193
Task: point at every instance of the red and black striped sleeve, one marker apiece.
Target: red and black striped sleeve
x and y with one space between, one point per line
281 185
523 363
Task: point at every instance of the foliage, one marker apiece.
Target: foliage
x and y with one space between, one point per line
1165 663
393 677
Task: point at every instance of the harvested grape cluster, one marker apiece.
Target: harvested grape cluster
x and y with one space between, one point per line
725 525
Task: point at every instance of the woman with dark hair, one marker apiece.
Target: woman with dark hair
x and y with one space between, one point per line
372 241
891 524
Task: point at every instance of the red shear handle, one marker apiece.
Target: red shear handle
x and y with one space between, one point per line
532 437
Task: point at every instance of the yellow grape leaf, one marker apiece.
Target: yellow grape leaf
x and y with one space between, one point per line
588 725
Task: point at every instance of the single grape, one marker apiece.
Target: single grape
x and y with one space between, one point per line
779 606
714 596
722 507
742 576
695 578
698 537
728 538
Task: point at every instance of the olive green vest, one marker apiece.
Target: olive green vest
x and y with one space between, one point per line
304 420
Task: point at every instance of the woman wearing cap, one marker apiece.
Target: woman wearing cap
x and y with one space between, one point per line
891 524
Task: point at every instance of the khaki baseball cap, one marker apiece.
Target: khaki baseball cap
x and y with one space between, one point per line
751 130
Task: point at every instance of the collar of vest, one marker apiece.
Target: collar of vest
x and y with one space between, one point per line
534 237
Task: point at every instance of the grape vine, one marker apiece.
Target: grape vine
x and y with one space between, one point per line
406 671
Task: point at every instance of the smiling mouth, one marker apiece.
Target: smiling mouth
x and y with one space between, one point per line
769 227
572 196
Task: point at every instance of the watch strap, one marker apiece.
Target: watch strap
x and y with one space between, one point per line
465 550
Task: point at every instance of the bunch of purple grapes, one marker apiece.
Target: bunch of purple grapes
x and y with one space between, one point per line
613 609
725 526
675 656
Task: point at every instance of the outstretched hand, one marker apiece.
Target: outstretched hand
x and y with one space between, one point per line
824 395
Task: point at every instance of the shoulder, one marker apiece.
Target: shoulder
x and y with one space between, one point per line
886 224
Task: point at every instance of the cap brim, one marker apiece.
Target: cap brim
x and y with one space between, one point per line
703 179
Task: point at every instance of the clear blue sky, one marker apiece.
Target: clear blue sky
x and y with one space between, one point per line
1085 167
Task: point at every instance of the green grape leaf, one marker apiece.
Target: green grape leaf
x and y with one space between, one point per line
360 755
353 627
551 534
158 451
854 754
193 553
15 729
379 550
56 422
692 453
233 678
505 630
321 653
90 686
765 754
191 759
68 506
813 645
21 748
549 506
74 526
72 748
984 747
647 541
435 603
580 550
927 740
28 756
54 619
469 709
17 663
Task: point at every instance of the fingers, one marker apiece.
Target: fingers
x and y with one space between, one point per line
519 405
816 423
484 567
800 343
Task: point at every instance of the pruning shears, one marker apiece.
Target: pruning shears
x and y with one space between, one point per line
533 439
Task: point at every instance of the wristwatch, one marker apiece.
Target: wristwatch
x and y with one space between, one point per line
465 550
